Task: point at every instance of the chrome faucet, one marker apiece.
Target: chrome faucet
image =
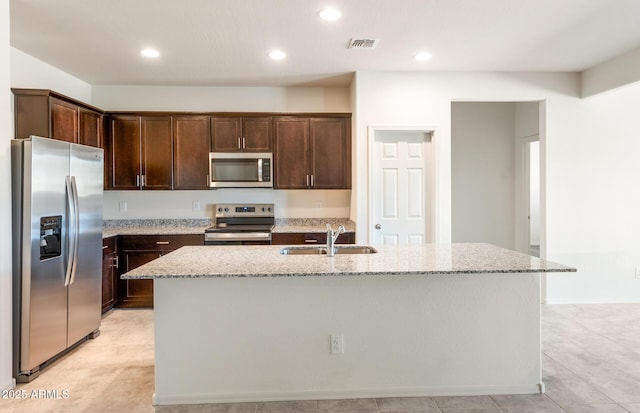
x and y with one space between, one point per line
332 236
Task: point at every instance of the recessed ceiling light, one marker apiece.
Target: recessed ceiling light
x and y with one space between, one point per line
330 14
148 52
277 54
422 56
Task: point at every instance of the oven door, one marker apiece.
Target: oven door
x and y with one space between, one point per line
237 238
240 170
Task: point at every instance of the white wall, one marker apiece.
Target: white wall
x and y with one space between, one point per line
6 132
179 204
32 73
593 199
222 99
483 173
589 214
424 98
614 73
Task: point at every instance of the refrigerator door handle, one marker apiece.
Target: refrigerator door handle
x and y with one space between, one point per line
76 218
71 239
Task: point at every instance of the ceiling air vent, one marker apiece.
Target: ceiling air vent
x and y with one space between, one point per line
363 43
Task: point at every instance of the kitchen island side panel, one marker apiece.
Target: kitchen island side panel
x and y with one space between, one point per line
261 339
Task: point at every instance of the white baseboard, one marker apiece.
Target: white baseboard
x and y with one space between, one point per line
595 301
345 394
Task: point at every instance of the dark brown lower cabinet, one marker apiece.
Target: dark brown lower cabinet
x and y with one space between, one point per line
138 250
109 273
296 238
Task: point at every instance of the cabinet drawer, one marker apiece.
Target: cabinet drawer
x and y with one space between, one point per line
108 245
296 238
160 242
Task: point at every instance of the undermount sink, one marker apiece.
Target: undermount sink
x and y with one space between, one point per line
322 250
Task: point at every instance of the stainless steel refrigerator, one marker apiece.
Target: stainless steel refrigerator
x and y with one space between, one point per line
57 249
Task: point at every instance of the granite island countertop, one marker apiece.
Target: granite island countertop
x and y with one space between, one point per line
266 261
116 227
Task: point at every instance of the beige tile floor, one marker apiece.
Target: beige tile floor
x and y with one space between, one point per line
591 364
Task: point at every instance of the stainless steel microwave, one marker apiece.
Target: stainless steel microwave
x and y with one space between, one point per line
241 170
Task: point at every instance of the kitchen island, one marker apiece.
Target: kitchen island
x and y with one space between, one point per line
249 324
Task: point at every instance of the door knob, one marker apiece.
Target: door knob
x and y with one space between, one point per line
378 226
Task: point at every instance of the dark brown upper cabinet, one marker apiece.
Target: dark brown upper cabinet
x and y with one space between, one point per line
141 152
191 146
241 134
91 128
45 113
312 153
291 153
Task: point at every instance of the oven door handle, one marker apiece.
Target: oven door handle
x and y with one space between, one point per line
237 236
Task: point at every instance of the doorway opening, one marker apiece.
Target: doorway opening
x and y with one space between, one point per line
531 191
496 174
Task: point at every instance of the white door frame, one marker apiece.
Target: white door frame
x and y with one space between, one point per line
432 222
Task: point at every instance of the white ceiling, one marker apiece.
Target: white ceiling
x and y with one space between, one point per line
225 42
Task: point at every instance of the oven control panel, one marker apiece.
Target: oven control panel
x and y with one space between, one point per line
244 210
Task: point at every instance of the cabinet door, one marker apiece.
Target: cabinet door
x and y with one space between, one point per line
157 153
191 140
330 154
109 280
226 134
136 293
64 121
291 153
125 152
91 128
257 134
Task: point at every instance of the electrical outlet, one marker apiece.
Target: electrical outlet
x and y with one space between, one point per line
318 204
122 206
195 205
337 344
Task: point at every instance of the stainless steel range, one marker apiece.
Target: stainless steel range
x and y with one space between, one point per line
241 224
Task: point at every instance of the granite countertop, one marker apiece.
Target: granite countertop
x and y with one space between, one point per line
197 226
154 226
266 261
311 224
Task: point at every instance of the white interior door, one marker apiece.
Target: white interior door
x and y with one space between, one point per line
400 198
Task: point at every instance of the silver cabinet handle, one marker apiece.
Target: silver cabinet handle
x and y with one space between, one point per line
143 180
239 144
162 242
138 180
378 226
312 180
244 143
307 180
311 241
